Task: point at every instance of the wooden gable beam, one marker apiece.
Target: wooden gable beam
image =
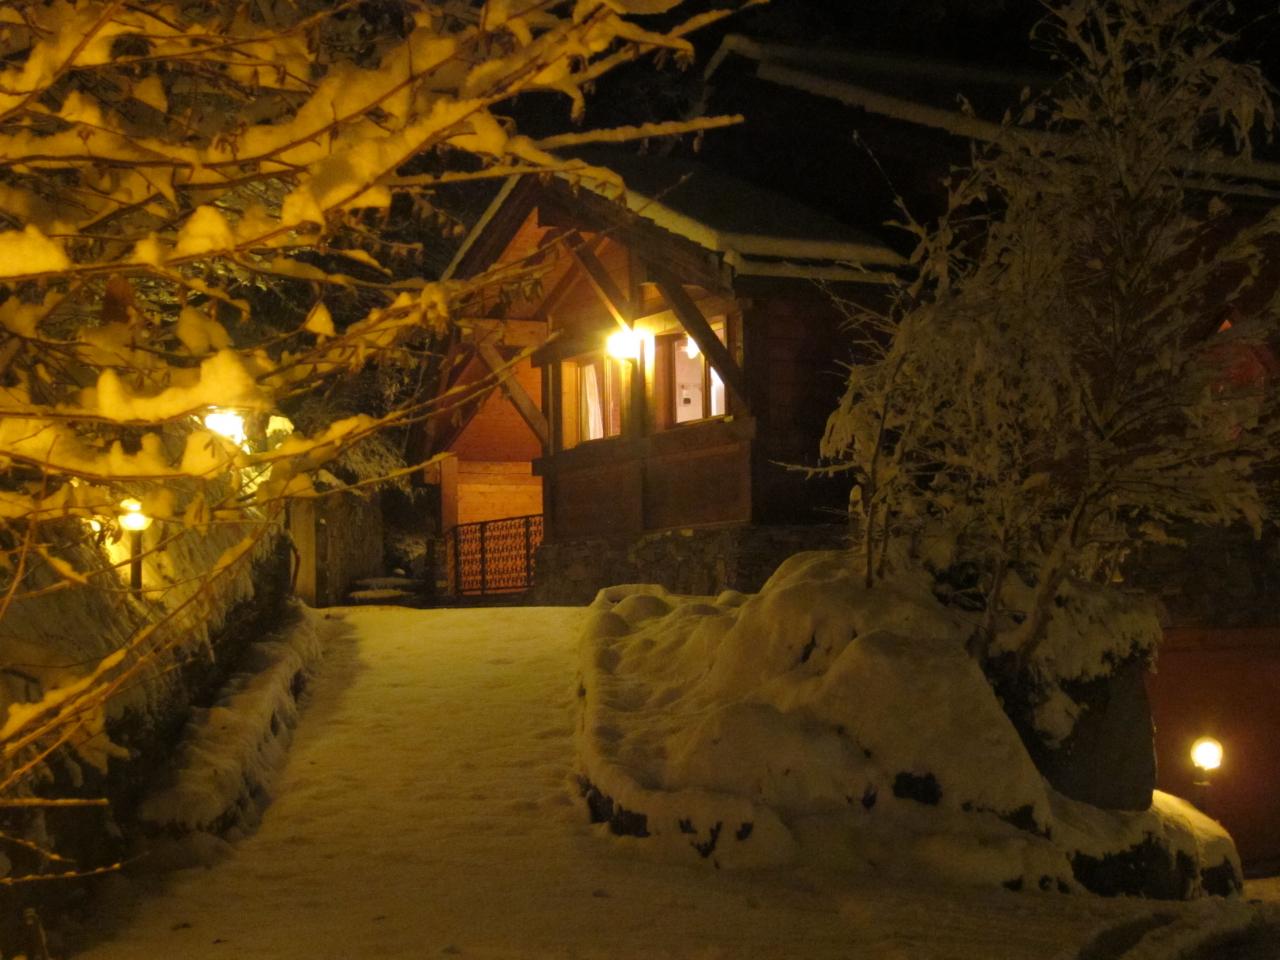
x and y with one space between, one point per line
446 425
696 324
518 396
600 281
557 293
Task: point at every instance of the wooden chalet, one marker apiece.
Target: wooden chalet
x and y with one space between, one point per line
685 360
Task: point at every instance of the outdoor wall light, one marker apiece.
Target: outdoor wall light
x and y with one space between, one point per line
227 423
691 349
1206 754
623 344
132 518
135 521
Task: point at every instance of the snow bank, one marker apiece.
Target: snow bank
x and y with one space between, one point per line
232 750
1197 932
847 723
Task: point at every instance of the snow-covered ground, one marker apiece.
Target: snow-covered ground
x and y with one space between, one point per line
428 809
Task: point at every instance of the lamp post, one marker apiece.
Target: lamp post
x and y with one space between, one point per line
135 521
1206 755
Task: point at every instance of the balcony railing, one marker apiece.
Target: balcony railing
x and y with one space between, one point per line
493 556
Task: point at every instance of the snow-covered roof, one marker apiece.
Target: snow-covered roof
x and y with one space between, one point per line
757 232
924 82
927 94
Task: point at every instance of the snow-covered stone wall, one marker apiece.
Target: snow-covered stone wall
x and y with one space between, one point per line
849 725
339 539
694 560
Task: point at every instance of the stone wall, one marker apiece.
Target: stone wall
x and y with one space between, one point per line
339 540
697 560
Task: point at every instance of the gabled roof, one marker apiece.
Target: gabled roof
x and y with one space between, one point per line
926 94
755 232
921 83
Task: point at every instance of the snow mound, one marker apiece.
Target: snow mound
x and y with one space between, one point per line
232 751
847 724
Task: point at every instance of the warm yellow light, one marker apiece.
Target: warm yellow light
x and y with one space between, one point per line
623 345
1206 753
95 525
133 519
691 348
226 423
280 425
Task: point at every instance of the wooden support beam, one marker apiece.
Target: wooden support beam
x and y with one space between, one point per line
601 282
448 424
519 398
510 333
551 406
696 324
557 293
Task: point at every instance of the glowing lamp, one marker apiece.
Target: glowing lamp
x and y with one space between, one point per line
623 345
227 423
132 518
691 348
1206 754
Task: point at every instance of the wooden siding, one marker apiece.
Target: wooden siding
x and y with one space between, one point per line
579 309
705 486
497 432
694 475
490 490
793 350
599 500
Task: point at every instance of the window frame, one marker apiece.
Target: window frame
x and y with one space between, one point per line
575 397
668 345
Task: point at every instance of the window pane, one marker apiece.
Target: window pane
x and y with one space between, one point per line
717 395
570 405
613 397
687 381
592 403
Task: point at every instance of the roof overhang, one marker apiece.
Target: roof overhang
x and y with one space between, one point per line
745 254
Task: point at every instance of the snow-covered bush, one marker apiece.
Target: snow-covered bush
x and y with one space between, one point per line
1050 389
204 207
828 721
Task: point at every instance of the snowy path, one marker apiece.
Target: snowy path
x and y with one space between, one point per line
427 810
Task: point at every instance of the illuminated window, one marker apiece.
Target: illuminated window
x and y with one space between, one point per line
697 392
591 404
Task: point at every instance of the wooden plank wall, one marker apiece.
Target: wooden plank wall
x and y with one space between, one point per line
497 431
491 490
794 348
604 500
495 453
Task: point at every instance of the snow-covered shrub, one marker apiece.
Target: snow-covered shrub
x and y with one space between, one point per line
825 719
1047 390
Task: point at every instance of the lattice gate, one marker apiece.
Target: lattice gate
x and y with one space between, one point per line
493 556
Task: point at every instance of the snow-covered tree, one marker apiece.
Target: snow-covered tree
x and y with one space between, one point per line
1050 387
207 208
